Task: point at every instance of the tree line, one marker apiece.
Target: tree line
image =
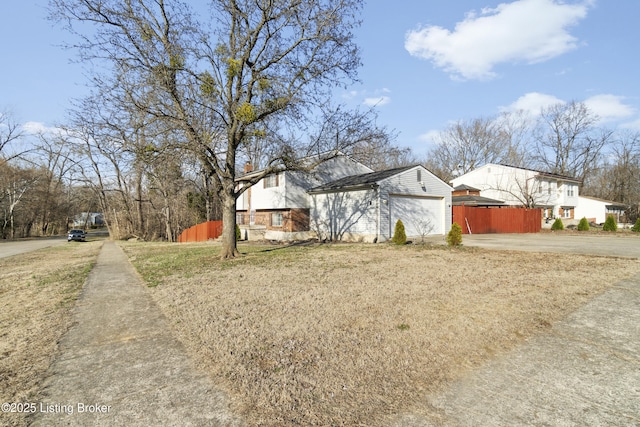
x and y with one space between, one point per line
183 96
154 193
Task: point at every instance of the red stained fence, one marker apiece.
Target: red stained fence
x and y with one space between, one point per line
201 232
497 220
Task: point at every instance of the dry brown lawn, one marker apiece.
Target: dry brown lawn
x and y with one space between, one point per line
37 293
353 334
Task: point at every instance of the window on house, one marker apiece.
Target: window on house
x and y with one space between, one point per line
276 219
271 181
567 212
419 175
570 191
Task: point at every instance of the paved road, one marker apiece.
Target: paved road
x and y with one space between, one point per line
15 247
120 365
614 245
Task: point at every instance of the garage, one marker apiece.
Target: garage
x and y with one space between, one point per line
421 216
366 207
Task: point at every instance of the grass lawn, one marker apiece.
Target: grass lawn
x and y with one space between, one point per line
38 291
357 334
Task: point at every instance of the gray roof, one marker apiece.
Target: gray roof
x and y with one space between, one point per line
463 187
360 180
469 200
547 174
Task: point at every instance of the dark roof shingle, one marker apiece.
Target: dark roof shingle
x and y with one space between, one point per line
360 180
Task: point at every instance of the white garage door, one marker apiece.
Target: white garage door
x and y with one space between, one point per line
420 215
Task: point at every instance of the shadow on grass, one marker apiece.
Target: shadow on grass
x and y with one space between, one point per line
302 243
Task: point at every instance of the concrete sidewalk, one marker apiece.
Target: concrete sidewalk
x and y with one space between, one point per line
120 365
584 372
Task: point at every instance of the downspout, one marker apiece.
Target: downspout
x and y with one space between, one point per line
377 238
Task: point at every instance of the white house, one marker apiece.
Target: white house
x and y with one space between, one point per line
88 219
556 194
597 210
278 207
367 206
342 199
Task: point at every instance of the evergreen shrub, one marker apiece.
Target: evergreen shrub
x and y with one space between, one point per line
610 224
583 225
454 237
399 235
557 224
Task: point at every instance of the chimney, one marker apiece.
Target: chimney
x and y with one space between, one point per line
248 167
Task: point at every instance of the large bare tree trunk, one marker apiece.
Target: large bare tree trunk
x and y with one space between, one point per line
229 244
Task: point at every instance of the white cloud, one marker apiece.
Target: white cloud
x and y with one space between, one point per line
521 31
609 107
377 101
532 103
606 106
37 128
350 95
430 136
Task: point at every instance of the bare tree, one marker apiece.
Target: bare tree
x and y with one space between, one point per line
568 141
424 226
10 131
264 71
467 145
14 183
618 177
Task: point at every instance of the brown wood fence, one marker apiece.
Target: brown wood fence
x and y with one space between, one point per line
497 220
201 232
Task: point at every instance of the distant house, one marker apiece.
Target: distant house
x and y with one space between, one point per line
596 210
465 195
342 199
557 195
88 219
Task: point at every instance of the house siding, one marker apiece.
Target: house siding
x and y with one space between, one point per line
407 184
595 210
345 215
291 191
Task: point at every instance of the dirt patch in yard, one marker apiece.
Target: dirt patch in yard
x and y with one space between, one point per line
37 293
353 334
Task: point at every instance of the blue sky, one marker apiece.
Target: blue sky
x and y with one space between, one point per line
426 63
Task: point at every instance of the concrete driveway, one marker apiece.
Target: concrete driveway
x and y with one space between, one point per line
626 245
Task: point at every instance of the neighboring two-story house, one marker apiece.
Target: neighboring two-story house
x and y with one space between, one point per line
278 206
556 195
342 199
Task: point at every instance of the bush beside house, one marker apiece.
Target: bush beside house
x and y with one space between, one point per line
583 225
610 224
399 235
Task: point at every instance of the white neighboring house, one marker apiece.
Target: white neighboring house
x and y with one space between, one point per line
278 207
556 195
596 210
342 199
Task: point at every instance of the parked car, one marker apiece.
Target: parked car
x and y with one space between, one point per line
77 235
